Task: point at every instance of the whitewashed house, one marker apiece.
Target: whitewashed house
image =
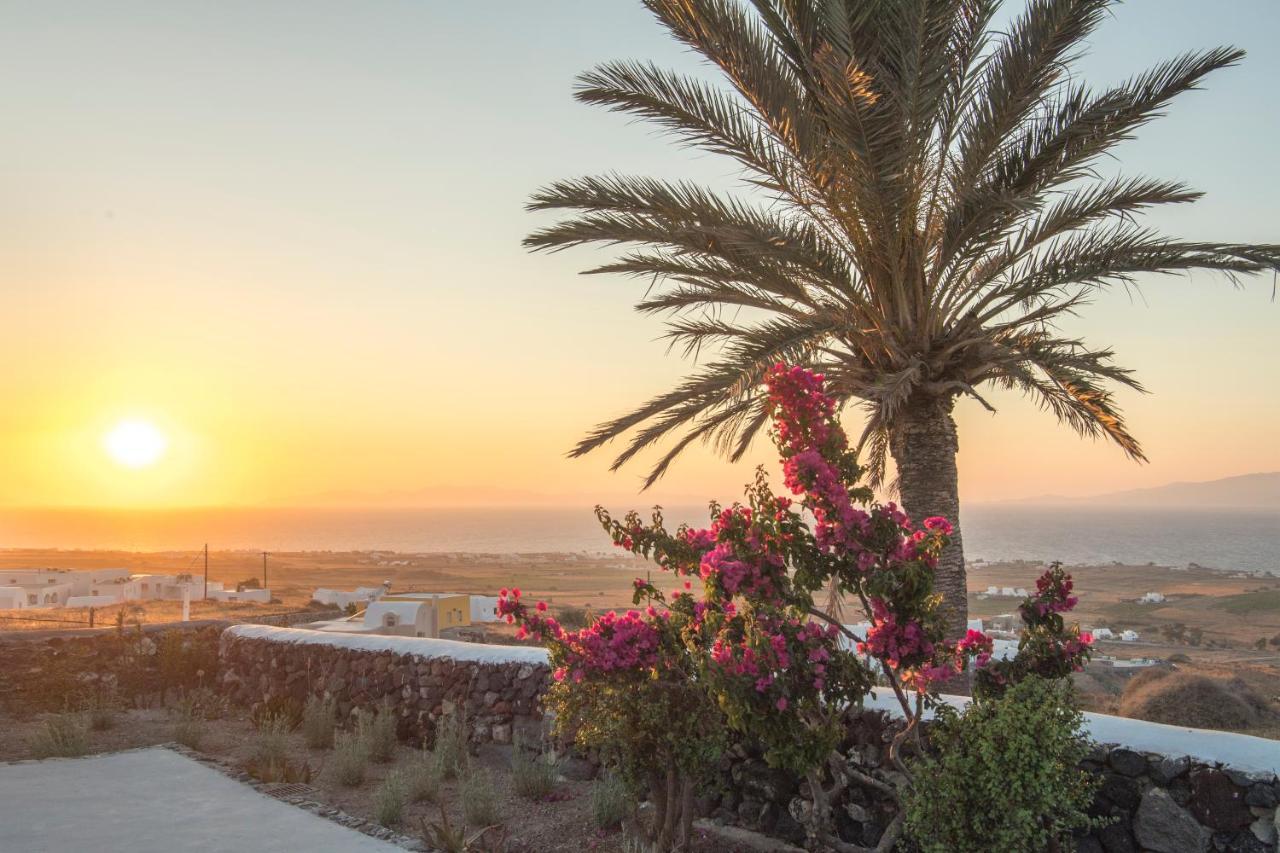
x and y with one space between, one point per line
1152 598
1129 636
342 599
1103 634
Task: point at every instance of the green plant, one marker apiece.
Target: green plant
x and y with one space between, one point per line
350 760
452 749
1005 774
390 799
377 730
445 836
533 771
422 777
919 207
318 722
611 801
479 799
63 736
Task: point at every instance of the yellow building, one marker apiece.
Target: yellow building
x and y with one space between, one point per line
418 614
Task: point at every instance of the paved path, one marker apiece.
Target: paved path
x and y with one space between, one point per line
155 801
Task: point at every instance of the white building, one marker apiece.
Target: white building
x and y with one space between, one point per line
1152 598
341 599
1103 634
1129 636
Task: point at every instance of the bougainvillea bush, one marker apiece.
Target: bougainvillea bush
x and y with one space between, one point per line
733 638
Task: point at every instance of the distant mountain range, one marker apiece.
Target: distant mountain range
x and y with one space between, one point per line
1247 491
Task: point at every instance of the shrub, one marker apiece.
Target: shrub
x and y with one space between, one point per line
270 761
479 799
452 750
1005 776
277 708
100 707
611 801
349 759
377 731
185 660
318 721
204 703
1189 699
271 743
189 726
422 778
390 799
533 772
63 736
573 617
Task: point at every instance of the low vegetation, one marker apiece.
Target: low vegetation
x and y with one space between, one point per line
479 799
189 726
390 799
534 771
611 802
350 760
377 731
422 777
319 719
63 736
1005 774
452 748
101 707
1190 699
284 708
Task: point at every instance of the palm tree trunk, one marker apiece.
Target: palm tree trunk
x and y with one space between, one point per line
924 447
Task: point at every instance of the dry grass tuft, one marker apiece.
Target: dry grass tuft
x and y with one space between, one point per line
1199 701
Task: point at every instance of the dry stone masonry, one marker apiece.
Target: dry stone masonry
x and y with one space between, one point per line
498 688
1155 803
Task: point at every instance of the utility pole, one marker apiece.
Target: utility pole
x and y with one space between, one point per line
264 569
206 571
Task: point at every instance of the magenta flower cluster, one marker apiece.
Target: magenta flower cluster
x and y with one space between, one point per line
613 642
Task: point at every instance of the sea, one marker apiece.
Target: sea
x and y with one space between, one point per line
1233 540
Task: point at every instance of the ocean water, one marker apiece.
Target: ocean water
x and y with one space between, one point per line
1219 539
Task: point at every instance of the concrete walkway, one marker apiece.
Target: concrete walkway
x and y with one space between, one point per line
155 801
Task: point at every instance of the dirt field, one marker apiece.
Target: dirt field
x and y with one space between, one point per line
560 579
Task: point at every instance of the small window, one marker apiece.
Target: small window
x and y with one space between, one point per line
33 599
389 620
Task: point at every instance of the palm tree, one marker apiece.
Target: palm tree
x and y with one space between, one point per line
922 208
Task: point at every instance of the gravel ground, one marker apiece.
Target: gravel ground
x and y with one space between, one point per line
562 823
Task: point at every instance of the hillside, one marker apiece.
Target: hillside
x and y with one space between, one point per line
1252 491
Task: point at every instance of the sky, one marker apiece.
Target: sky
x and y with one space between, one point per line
287 235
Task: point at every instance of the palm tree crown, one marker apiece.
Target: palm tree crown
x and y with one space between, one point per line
923 210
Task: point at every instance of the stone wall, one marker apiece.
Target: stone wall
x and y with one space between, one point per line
1156 803
57 671
498 687
1172 805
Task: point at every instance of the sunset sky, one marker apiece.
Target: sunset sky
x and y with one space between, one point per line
286 236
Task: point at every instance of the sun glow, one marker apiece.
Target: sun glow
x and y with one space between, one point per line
135 444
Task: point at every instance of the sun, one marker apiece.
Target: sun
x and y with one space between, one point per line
135 444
